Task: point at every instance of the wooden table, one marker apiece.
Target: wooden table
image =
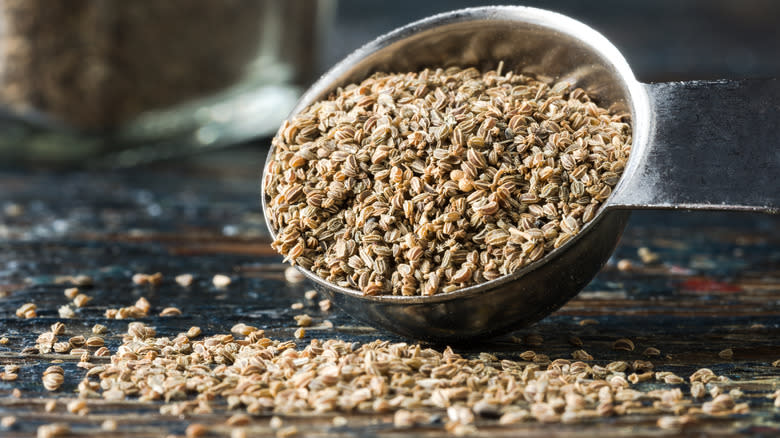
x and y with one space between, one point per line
718 287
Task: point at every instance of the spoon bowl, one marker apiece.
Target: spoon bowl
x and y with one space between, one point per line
545 44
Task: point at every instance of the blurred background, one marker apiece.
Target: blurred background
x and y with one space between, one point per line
120 84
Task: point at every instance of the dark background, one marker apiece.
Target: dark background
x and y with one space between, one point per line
661 39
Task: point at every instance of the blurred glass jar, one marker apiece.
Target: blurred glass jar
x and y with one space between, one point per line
124 82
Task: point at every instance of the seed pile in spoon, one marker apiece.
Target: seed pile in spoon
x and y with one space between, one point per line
428 182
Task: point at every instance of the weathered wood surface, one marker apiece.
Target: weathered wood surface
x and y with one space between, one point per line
718 287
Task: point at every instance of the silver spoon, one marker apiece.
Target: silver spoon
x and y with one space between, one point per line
701 145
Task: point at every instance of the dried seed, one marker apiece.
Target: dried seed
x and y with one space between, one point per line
50 406
651 351
71 292
221 280
296 306
184 280
648 257
477 152
310 294
109 425
623 344
81 300
58 328
196 430
170 311
292 275
324 305
66 311
727 354
53 430
99 329
624 265
300 333
303 320
26 311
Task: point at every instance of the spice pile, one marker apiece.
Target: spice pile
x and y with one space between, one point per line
425 183
193 374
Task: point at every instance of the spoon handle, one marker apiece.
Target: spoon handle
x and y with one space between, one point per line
712 145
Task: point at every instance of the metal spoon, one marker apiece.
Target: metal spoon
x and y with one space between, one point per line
711 145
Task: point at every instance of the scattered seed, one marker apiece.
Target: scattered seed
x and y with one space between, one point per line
300 333
581 355
275 422
339 421
66 311
624 265
170 311
651 351
184 280
81 300
196 430
325 305
221 280
27 311
99 329
8 421
53 430
727 354
109 425
575 341
585 322
287 432
310 294
623 344
71 292
78 406
648 257
296 306
303 320
293 275
238 420
193 332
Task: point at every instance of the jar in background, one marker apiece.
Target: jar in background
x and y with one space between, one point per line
124 82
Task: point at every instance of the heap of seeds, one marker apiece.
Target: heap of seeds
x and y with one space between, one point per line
261 375
424 183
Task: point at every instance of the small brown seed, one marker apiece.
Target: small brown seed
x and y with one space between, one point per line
624 265
310 294
325 305
303 320
300 333
727 354
99 329
71 292
50 406
94 342
651 351
81 300
170 311
623 344
53 430
58 328
26 311
196 430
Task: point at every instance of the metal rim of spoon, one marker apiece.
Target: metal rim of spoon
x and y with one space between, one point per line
709 145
